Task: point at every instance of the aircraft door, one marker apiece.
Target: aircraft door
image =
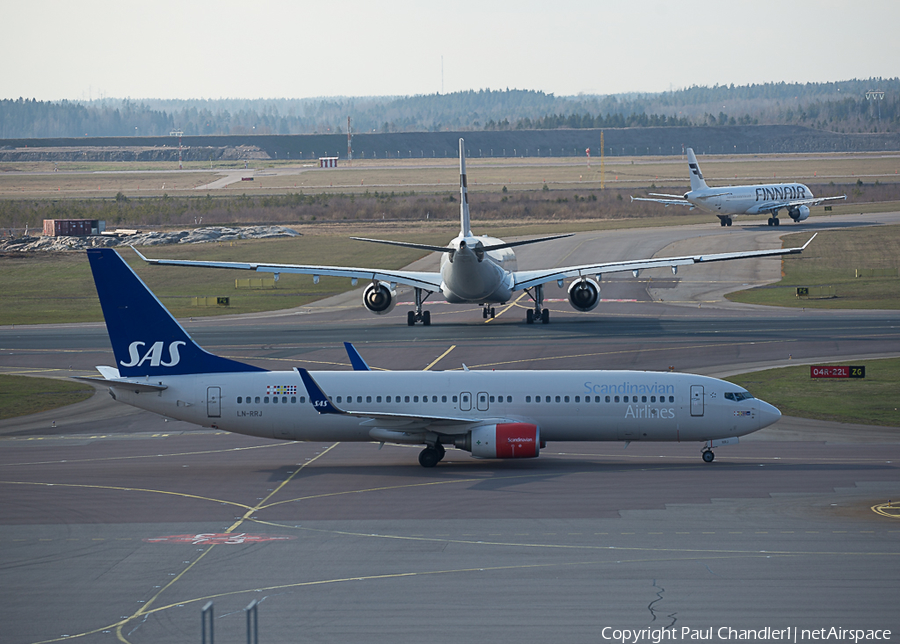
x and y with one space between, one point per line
214 402
465 401
696 400
481 402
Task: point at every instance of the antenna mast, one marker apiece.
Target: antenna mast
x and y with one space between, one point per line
349 146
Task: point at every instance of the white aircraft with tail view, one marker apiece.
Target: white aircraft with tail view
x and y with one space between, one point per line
477 270
492 414
727 201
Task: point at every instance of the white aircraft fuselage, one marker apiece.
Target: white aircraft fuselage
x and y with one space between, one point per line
747 200
471 274
564 405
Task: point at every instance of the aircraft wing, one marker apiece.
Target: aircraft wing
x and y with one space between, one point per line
528 279
813 201
409 423
417 279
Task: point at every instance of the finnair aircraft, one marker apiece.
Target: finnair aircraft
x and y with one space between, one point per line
492 414
477 270
727 201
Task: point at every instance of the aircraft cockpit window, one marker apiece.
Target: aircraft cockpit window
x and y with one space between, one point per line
738 396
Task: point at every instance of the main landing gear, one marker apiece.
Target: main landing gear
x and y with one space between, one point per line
431 455
725 221
419 315
773 221
538 313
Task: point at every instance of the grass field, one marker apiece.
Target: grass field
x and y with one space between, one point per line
57 287
21 395
832 260
104 180
873 400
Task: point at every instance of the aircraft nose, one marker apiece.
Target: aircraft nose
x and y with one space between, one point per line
768 414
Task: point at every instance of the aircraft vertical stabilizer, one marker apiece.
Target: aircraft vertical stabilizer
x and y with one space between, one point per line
697 182
465 229
146 339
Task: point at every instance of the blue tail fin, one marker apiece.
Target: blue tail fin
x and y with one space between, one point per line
146 339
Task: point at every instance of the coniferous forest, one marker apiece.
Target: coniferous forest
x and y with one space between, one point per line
855 106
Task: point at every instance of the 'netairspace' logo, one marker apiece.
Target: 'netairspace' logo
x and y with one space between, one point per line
790 634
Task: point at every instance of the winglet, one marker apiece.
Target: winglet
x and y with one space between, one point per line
141 255
317 397
356 360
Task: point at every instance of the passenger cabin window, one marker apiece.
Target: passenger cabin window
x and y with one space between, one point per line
528 399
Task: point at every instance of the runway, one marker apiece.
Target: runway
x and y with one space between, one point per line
120 526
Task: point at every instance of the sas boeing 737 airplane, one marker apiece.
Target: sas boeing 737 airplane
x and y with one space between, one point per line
492 414
727 201
477 270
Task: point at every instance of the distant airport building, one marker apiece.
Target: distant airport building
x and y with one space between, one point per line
328 162
73 227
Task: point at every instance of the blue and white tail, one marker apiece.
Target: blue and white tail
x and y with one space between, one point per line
146 339
465 229
697 182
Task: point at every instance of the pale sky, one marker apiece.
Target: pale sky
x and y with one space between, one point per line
300 49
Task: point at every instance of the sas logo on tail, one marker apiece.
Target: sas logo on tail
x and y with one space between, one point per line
154 354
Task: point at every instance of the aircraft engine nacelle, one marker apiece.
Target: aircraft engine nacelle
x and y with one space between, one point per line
584 294
379 299
503 440
799 214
